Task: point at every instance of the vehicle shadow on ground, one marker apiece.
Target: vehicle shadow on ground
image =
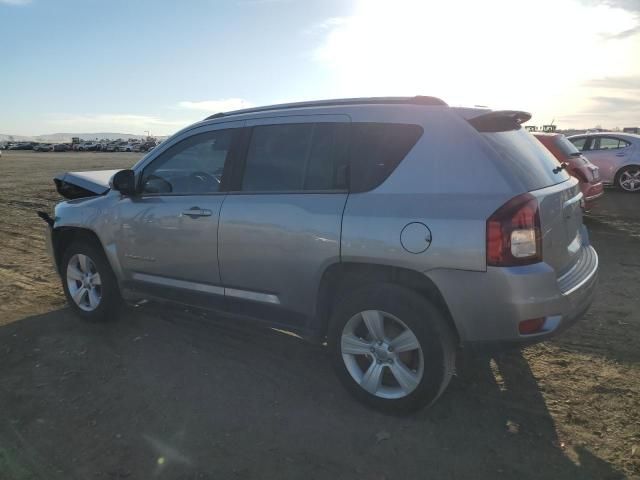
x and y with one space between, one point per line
157 394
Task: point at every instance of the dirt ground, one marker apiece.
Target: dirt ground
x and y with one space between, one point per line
182 396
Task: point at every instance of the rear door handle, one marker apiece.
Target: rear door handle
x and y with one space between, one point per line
195 212
620 154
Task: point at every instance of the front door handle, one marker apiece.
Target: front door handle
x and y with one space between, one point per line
620 154
195 212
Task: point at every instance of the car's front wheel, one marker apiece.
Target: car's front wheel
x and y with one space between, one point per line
391 348
89 284
628 179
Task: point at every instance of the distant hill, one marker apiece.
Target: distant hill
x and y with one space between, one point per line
66 137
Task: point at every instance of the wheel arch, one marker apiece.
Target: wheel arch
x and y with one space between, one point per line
63 237
343 277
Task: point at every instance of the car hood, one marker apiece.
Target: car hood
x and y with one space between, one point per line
84 184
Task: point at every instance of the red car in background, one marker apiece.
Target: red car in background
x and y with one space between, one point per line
577 164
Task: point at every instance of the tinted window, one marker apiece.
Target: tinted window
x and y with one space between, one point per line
194 165
566 147
327 164
376 150
295 157
579 143
608 143
527 158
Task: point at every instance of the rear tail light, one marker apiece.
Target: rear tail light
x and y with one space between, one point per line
513 233
527 327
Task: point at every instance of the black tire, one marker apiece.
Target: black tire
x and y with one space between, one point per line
427 323
111 301
623 170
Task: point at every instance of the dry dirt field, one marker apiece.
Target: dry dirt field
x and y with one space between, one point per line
175 395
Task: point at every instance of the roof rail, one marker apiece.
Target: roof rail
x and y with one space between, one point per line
417 100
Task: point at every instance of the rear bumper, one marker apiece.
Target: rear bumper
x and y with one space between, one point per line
487 307
592 191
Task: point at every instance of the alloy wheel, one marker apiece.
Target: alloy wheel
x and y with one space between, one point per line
84 283
382 354
629 179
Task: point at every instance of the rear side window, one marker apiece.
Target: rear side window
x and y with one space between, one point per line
376 150
296 157
608 143
527 158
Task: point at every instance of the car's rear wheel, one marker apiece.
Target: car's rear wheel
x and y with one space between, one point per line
628 179
89 284
391 348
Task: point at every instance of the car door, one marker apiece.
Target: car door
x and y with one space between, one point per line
280 225
608 154
167 242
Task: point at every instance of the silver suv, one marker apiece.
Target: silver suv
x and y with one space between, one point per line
396 230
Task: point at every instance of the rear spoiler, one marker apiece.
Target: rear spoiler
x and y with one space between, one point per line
500 121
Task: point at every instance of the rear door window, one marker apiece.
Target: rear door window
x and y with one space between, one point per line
608 143
296 157
527 158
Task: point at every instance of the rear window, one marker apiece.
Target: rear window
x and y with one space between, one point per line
566 146
527 158
376 149
579 143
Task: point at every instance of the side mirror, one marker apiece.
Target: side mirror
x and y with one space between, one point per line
125 182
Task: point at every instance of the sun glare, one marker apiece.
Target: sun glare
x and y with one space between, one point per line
476 52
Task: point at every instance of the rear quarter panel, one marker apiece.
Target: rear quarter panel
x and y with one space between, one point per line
448 181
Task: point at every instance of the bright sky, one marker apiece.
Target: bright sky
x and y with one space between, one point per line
135 65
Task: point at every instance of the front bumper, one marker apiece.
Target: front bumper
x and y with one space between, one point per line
47 232
487 307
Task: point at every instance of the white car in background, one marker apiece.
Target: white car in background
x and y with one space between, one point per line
616 154
124 147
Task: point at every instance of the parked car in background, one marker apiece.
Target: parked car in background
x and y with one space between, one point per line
22 146
110 147
89 147
577 164
146 146
60 147
346 222
616 154
125 147
137 147
43 147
